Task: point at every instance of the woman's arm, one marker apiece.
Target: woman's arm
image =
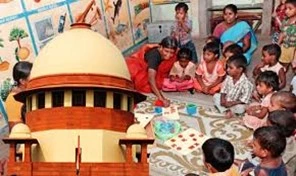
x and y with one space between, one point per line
152 82
282 76
246 42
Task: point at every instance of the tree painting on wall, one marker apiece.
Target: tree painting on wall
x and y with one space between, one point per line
21 52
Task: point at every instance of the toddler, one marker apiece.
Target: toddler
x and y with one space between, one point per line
287 38
210 72
182 73
236 89
267 83
278 16
182 29
285 121
219 157
268 144
283 100
270 62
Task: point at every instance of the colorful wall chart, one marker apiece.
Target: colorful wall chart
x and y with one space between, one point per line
27 25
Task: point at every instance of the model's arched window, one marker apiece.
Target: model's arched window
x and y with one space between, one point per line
29 103
99 99
40 100
57 98
130 104
117 101
78 97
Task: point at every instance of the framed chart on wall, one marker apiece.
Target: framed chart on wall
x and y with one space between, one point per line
140 17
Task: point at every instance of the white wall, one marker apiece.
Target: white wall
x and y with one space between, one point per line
224 2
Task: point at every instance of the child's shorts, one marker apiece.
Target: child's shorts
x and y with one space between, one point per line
287 55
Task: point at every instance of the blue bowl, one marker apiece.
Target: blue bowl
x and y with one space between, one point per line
191 109
158 109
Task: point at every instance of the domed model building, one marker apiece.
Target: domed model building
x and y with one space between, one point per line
79 86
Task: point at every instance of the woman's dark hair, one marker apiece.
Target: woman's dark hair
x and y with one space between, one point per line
273 49
21 70
231 7
284 120
238 61
212 47
271 139
184 53
235 49
219 153
169 42
270 79
183 6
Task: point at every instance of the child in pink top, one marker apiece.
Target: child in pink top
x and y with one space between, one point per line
267 83
182 73
210 72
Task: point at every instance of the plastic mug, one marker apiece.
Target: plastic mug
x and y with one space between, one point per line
191 109
158 109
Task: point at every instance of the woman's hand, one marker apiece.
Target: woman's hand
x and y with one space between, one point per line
166 102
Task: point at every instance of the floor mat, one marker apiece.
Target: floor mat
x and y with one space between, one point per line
166 161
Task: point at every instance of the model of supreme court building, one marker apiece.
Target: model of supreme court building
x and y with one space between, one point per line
79 105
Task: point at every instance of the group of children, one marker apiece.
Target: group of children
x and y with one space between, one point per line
221 72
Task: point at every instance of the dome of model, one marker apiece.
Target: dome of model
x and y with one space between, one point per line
136 131
20 130
80 51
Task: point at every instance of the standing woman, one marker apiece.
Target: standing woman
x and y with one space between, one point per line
232 30
151 64
21 72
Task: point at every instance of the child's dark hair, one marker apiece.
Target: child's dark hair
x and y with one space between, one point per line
21 70
271 139
219 153
291 2
273 49
213 48
270 79
214 39
183 6
286 100
169 42
238 61
284 120
231 7
184 53
235 49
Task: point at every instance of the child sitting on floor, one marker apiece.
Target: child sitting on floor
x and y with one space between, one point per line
283 100
219 157
268 144
182 73
270 62
236 89
233 49
267 83
210 72
285 121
